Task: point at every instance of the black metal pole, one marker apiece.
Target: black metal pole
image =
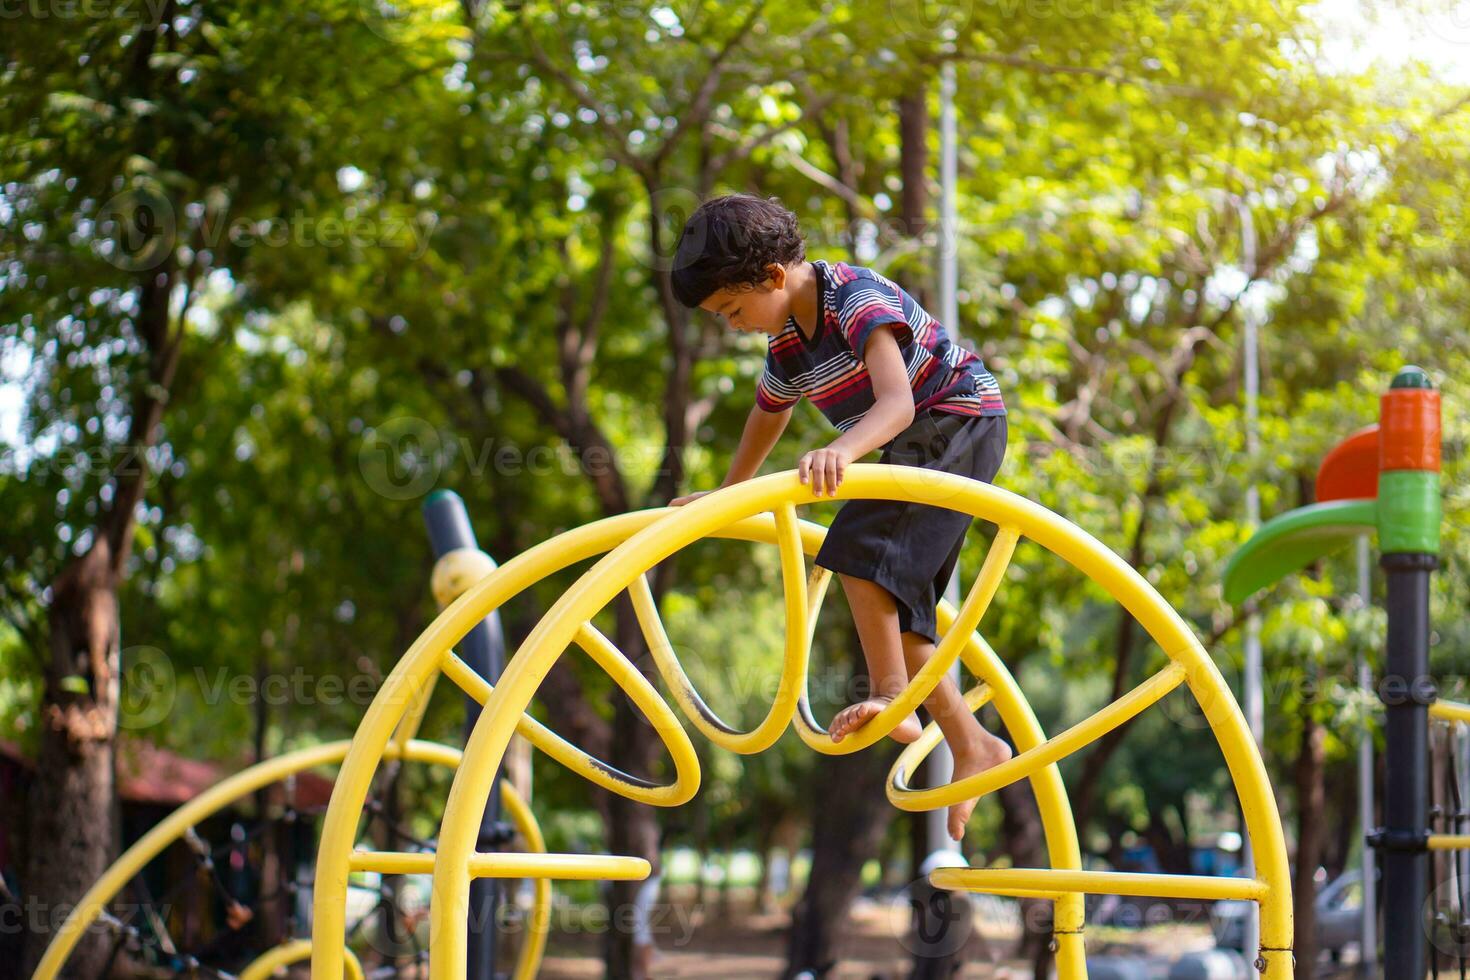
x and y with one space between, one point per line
1407 691
484 650
1409 517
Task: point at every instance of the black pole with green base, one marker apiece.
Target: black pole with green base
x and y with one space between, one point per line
1384 479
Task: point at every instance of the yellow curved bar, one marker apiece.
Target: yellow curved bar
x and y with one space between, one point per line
1060 831
927 679
432 648
132 861
538 927
1450 711
717 511
243 784
295 951
686 763
793 669
1053 750
914 754
416 668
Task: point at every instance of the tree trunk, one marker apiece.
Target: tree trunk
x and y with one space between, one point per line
913 165
71 802
72 796
913 162
849 817
632 828
1311 797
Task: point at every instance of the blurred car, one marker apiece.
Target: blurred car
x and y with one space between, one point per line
1339 916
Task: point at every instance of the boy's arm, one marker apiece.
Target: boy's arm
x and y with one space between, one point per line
892 412
762 429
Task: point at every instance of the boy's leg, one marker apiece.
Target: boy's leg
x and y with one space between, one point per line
974 749
876 616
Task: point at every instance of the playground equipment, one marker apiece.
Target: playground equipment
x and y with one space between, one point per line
1385 480
460 565
1449 930
764 510
181 823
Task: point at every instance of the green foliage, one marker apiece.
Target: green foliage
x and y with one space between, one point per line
397 226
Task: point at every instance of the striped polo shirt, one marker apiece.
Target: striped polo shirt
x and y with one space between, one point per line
829 369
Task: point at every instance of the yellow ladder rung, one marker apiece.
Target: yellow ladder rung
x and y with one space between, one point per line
1450 711
1056 882
1449 842
564 867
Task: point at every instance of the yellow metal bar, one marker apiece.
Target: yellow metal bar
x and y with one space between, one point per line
408 725
420 663
1056 748
927 679
793 669
269 962
1450 711
132 861
566 867
551 636
1449 842
1058 828
642 693
914 754
584 765
729 513
538 926
1008 881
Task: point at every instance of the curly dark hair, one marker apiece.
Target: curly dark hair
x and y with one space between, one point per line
728 243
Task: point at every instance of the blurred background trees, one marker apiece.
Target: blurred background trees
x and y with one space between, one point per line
270 273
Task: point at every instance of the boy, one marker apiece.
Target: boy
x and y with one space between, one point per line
885 373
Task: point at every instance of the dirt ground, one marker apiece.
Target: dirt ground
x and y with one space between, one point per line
873 947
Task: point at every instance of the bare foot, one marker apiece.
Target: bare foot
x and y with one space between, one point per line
855 716
986 753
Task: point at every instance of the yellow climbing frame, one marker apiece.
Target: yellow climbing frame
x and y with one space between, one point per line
247 782
764 510
1448 713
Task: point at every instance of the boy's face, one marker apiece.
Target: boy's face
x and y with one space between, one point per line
762 308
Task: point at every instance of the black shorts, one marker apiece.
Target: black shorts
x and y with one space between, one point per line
911 549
